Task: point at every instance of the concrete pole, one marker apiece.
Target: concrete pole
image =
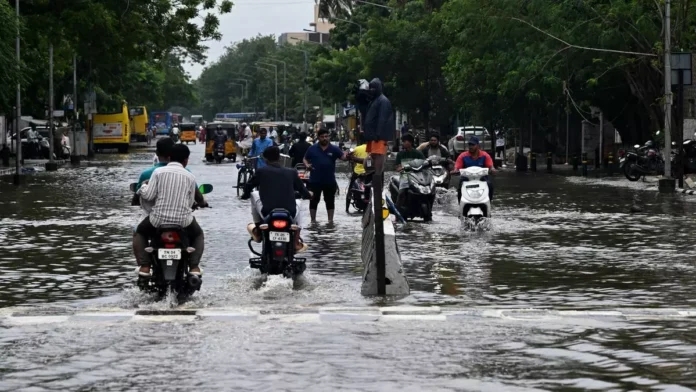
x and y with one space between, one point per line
74 141
18 114
601 137
668 92
285 91
50 104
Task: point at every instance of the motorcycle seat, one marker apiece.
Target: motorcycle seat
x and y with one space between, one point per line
169 227
279 213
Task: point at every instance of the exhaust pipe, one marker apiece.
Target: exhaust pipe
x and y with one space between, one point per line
195 282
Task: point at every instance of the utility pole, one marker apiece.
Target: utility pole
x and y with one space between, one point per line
75 157
51 165
285 87
565 91
306 65
667 184
18 114
275 67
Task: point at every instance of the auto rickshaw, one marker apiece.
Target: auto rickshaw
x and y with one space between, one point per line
187 133
230 130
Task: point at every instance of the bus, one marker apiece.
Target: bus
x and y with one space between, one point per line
177 118
112 130
197 119
239 117
139 123
162 121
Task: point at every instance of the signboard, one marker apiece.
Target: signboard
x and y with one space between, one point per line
58 113
107 130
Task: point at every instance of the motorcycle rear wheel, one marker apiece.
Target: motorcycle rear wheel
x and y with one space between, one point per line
631 175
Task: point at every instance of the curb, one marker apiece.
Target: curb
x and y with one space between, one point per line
686 191
337 314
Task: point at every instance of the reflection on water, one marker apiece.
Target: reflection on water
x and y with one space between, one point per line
477 354
66 236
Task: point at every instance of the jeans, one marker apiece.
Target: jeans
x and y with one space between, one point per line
257 208
146 230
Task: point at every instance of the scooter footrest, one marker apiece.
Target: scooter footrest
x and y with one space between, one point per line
255 262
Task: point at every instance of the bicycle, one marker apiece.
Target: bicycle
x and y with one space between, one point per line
246 170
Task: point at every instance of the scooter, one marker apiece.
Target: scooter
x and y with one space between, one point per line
277 256
169 251
421 191
475 203
441 174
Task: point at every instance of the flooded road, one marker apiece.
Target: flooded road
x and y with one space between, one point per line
65 241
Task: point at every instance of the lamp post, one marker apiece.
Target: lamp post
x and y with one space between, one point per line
241 110
351 22
275 67
276 89
285 87
306 66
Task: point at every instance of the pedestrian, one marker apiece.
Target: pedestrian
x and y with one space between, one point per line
258 146
379 124
321 160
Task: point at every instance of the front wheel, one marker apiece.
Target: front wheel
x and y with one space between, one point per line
242 178
630 173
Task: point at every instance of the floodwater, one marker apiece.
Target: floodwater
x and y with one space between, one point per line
65 241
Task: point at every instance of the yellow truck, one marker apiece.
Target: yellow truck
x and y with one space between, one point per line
112 130
139 123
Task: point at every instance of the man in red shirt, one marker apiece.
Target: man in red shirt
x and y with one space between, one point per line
474 157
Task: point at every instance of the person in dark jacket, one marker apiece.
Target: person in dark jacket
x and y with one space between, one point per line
277 186
299 149
379 124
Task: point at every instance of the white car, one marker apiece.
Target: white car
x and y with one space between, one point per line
460 142
43 131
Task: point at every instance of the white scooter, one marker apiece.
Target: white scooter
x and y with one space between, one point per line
475 204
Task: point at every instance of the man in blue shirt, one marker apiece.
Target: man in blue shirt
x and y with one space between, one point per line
321 160
260 144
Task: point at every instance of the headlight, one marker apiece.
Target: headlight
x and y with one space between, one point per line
475 193
424 188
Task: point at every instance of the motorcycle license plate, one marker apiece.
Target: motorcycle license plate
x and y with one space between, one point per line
169 254
471 186
276 236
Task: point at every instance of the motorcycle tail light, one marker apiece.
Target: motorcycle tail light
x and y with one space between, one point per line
460 138
651 153
622 153
170 236
280 224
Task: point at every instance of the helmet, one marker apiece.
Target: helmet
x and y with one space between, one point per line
244 124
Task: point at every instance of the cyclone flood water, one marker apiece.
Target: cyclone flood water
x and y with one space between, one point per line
553 244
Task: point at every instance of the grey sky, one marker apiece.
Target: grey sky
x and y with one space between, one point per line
250 18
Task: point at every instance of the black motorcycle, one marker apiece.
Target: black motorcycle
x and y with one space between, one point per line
219 152
278 247
358 194
421 192
644 160
169 251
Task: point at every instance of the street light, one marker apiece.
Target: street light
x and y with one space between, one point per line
241 110
275 67
306 65
285 87
351 22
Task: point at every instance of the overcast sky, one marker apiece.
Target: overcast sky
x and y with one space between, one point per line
250 18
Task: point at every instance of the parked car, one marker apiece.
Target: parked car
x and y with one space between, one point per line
459 143
43 132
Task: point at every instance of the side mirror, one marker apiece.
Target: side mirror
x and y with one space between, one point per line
132 186
205 188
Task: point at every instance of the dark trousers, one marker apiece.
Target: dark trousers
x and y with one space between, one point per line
146 230
329 191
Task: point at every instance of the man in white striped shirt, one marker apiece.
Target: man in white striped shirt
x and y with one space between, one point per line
172 188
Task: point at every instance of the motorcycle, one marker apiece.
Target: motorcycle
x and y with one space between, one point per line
303 173
441 174
169 251
359 194
475 203
219 152
421 192
644 160
277 254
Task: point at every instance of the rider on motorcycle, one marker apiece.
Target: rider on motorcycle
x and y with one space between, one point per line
474 157
172 191
277 186
408 153
433 147
298 150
